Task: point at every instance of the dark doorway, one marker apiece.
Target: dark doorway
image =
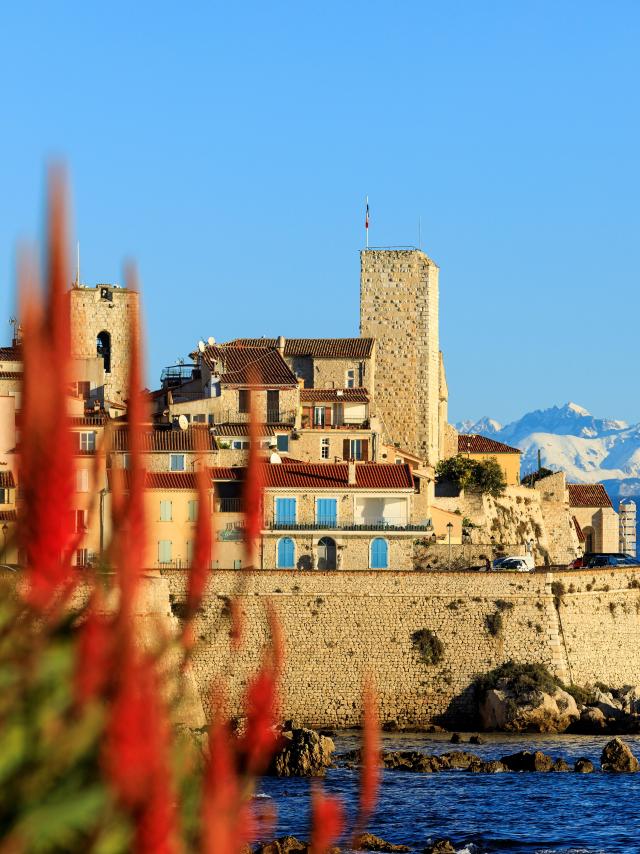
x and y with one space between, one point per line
103 349
273 406
326 553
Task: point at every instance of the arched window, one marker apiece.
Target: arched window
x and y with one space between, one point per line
103 349
286 553
379 554
326 553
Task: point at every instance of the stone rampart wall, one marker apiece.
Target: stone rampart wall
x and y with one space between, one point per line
338 627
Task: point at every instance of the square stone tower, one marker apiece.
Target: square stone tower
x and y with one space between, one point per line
101 322
399 308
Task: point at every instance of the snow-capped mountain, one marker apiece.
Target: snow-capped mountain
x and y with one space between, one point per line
588 449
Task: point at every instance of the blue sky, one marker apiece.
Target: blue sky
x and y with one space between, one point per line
228 147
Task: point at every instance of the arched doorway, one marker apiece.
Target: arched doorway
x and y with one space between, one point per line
103 349
326 553
379 554
286 553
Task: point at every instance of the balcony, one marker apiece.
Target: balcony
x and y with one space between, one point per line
229 505
307 424
381 524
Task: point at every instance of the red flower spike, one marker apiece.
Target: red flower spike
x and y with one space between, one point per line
370 770
237 624
46 463
199 571
261 738
253 486
94 651
327 821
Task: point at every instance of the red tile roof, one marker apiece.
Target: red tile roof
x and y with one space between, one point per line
243 366
318 348
474 444
588 495
243 429
11 354
579 531
351 395
10 375
336 476
6 480
182 479
8 515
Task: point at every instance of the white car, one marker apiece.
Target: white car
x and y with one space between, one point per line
515 563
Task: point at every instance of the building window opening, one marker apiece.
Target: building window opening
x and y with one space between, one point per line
324 449
103 349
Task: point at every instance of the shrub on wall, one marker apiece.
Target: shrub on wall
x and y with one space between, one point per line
486 476
429 645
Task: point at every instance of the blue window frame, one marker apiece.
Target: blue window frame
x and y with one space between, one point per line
286 553
285 511
282 442
327 512
379 553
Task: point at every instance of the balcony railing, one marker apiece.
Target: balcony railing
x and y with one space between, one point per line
229 505
365 525
344 425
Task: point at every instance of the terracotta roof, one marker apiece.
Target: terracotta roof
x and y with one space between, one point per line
579 531
318 348
243 366
11 354
10 375
336 476
8 515
6 480
164 438
351 395
243 429
475 444
588 495
182 479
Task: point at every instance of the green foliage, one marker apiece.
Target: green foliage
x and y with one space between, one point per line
582 696
535 476
486 476
521 679
503 605
493 623
429 645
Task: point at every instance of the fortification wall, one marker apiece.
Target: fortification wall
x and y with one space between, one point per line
339 626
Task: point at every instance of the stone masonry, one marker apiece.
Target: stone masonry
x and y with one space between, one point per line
399 308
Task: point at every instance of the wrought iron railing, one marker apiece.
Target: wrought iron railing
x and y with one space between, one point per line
371 525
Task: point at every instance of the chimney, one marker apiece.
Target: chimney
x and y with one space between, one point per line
280 344
352 473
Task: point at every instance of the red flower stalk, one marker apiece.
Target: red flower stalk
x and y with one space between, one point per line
327 821
94 650
46 452
253 486
370 769
199 570
227 823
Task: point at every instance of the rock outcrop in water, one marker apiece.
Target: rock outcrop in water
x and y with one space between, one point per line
583 766
440 846
369 842
535 711
304 753
617 756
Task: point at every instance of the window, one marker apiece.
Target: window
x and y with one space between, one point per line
82 557
324 448
176 462
379 558
240 444
355 449
103 349
286 553
192 511
327 512
199 419
350 381
84 389
87 441
237 564
164 551
282 442
80 521
166 511
243 400
285 511
318 416
4 496
125 461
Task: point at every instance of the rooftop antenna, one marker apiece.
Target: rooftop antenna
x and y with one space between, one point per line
366 223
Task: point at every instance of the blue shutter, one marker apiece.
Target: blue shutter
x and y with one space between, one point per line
379 554
285 511
282 443
327 512
285 553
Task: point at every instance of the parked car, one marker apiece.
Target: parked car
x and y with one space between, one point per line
515 563
592 560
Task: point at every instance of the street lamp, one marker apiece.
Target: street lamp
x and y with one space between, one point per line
449 529
5 528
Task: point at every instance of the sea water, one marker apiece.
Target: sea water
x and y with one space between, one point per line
563 813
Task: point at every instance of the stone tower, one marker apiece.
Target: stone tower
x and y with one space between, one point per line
399 308
101 320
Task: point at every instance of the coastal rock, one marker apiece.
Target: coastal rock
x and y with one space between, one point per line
455 738
606 703
629 696
560 765
617 756
283 845
525 760
583 766
535 711
477 739
440 846
369 842
304 753
592 720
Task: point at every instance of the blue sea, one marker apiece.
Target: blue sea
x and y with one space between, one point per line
563 813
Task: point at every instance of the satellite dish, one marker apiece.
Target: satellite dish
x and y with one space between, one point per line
275 459
183 424
201 346
211 341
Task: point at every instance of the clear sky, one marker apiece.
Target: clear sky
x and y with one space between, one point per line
228 147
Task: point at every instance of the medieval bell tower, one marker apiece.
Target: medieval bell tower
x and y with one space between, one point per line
399 308
101 324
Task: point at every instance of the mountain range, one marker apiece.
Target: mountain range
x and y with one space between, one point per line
588 449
